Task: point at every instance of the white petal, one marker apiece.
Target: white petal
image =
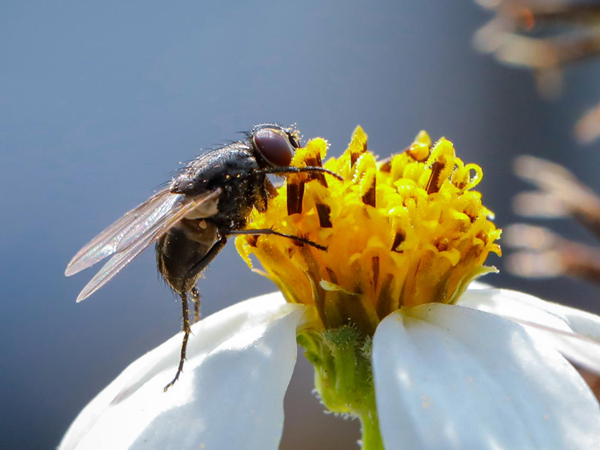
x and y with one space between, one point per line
478 285
448 377
574 333
239 364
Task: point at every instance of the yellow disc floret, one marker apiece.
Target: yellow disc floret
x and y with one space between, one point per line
400 232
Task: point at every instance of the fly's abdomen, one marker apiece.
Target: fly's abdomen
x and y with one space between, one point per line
185 251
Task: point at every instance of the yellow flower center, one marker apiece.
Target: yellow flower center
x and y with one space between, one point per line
400 232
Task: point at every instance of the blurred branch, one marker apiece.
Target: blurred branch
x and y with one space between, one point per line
542 253
545 36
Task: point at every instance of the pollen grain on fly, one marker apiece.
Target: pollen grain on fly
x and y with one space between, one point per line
400 232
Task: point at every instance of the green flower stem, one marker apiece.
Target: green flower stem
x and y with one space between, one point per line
344 377
371 436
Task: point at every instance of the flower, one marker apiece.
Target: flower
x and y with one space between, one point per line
405 232
385 317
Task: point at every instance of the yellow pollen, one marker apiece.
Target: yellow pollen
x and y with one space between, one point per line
400 232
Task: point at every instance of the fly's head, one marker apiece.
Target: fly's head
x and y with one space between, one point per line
274 144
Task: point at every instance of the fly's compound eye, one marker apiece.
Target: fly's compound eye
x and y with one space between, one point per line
275 147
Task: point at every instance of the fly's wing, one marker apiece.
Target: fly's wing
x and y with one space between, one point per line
106 243
147 231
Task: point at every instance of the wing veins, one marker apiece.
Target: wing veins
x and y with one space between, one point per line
106 243
144 240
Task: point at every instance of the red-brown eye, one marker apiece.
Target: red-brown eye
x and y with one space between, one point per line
275 148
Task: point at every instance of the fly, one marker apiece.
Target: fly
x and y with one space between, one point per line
191 219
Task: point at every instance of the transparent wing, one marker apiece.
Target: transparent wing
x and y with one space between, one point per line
107 242
153 228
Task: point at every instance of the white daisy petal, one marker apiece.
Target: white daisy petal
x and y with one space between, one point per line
574 333
453 377
239 364
479 285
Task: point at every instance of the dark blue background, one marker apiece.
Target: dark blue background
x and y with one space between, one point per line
99 101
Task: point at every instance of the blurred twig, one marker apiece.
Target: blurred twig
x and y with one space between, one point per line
545 36
540 252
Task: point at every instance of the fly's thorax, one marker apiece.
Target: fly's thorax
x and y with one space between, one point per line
231 170
214 169
240 195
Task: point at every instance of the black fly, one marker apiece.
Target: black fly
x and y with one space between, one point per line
191 219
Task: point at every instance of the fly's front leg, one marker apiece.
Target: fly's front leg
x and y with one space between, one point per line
186 335
287 170
269 231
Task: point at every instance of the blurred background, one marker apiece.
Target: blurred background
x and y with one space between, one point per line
99 101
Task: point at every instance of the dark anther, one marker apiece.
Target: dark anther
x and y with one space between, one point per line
323 212
319 160
433 185
295 194
471 217
319 163
442 244
385 165
398 239
370 196
316 162
252 240
384 302
375 267
332 275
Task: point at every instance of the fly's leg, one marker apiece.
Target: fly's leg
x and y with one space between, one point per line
186 335
286 170
194 272
196 299
277 233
